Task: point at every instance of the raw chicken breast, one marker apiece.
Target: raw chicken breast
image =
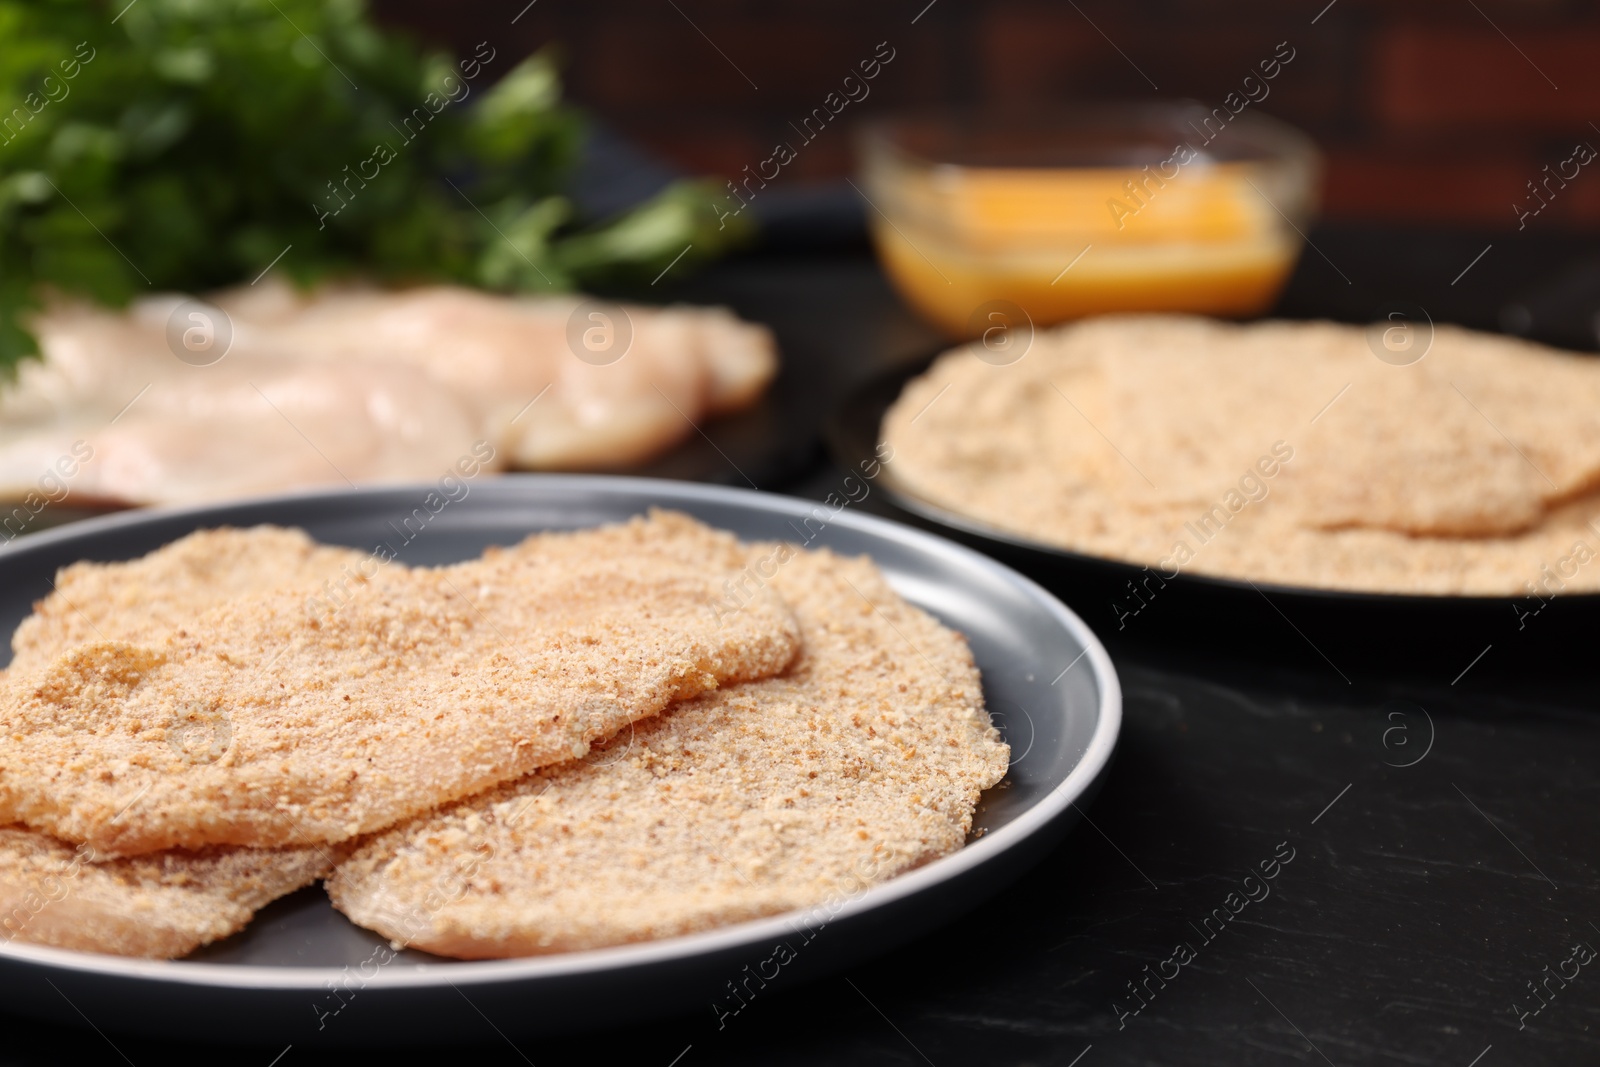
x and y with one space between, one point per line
352 385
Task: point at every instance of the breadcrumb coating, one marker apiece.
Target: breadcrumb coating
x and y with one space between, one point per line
169 903
1277 451
162 905
168 589
278 719
865 759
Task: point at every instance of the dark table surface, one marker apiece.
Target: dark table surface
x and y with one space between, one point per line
1436 843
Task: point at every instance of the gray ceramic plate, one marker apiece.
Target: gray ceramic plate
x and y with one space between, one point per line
302 974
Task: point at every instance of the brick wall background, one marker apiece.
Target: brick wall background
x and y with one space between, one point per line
1430 111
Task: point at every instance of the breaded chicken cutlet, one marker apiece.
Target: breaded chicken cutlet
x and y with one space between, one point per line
430 685
862 761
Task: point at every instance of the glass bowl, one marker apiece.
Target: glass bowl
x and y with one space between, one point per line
1112 208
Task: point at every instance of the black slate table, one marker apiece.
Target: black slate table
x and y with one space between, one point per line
1433 845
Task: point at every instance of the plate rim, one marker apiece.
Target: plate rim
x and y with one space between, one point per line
990 847
842 436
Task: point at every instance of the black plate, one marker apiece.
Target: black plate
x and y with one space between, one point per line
1343 632
763 445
